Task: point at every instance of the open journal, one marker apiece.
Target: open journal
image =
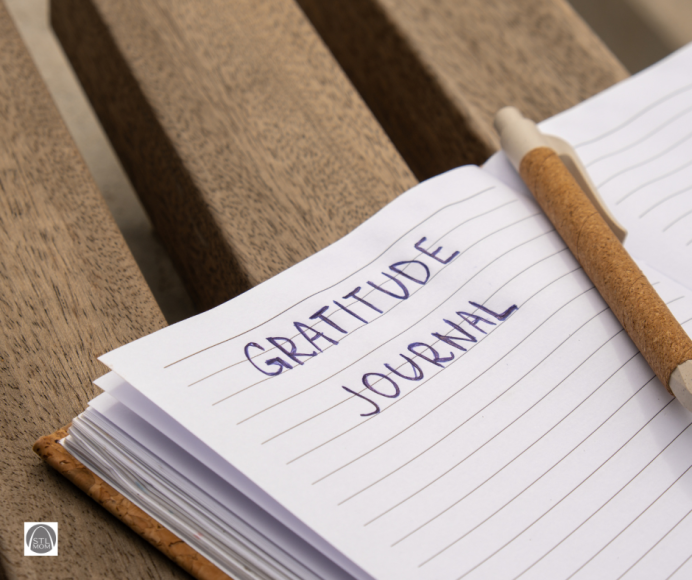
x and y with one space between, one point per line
442 394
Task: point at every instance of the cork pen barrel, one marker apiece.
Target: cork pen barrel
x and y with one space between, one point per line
635 303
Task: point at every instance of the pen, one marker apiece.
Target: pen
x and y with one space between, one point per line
595 238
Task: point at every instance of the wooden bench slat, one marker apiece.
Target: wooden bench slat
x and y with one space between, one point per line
435 73
243 138
69 291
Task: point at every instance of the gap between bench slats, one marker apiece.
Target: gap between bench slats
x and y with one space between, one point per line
435 73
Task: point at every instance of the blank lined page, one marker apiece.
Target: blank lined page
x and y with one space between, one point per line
441 394
635 139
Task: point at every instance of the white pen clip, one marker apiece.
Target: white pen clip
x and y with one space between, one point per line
519 135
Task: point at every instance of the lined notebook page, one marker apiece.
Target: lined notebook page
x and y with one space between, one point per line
635 140
471 411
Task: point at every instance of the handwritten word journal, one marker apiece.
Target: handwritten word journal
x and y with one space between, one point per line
442 394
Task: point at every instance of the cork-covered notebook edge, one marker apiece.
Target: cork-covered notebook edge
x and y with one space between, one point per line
55 455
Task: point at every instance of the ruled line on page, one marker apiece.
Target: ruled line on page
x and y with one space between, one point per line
665 199
638 516
679 567
472 196
656 113
676 220
661 539
641 140
654 180
674 300
642 163
660 101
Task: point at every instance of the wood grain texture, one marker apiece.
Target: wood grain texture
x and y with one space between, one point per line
245 141
69 291
435 72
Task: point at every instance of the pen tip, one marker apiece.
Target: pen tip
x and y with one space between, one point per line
681 384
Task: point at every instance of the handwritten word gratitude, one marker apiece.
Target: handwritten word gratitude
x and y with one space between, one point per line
358 308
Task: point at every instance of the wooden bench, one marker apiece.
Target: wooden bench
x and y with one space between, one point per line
69 290
251 150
